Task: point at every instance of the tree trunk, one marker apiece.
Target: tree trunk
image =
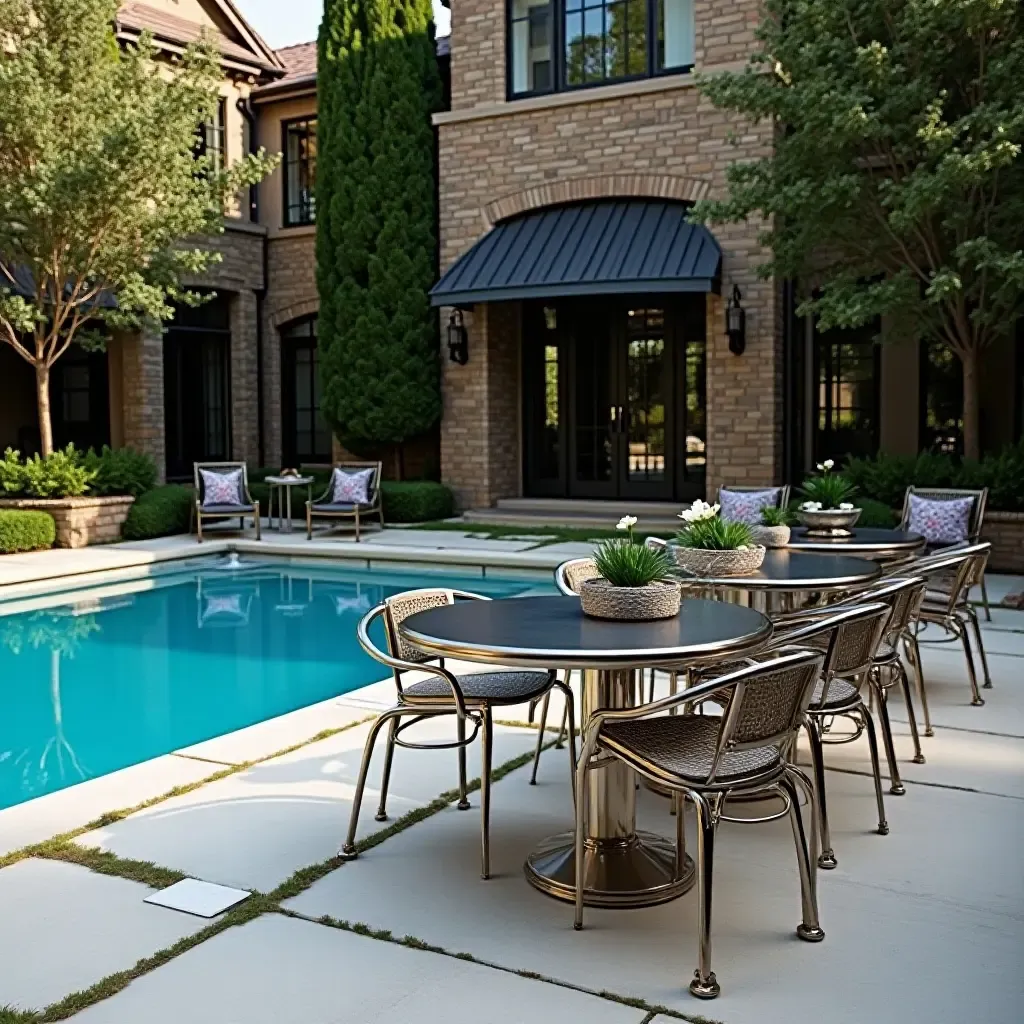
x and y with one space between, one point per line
972 439
399 461
43 405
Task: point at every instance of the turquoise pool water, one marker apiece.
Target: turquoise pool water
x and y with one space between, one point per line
101 683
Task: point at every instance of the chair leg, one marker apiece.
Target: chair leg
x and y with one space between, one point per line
349 849
961 631
357 524
876 767
650 690
809 928
463 804
827 857
389 755
570 717
896 786
541 725
901 672
913 650
705 984
679 809
380 512
976 626
256 516
580 794
199 527
486 747
984 601
309 521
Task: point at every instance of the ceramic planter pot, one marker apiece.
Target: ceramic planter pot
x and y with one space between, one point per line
601 600
829 522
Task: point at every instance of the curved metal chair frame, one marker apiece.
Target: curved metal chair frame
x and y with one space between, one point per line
781 502
245 508
949 576
325 507
765 705
421 700
974 522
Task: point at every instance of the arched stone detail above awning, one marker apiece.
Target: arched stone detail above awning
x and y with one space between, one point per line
295 311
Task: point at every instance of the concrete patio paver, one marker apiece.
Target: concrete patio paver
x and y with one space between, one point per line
257 827
278 970
65 928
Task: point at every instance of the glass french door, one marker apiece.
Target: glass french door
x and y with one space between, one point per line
614 401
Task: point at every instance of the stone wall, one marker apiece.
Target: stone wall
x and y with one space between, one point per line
80 521
140 361
1005 531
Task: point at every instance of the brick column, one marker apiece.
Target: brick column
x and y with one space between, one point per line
244 382
142 392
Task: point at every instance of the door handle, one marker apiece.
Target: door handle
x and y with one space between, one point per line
623 420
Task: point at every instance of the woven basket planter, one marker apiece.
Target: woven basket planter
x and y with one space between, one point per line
829 522
771 536
712 564
601 600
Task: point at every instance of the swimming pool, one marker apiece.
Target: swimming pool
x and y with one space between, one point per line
99 684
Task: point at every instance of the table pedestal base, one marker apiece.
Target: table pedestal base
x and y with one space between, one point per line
635 872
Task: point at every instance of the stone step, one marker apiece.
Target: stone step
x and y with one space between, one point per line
605 519
592 506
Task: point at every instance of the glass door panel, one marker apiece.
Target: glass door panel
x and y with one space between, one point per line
595 411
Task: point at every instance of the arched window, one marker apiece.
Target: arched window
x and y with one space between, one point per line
304 436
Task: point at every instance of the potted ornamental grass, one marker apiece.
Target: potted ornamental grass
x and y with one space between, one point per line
708 545
635 582
826 510
774 528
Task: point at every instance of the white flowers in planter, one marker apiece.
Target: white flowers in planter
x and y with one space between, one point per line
846 506
811 506
824 467
626 523
699 511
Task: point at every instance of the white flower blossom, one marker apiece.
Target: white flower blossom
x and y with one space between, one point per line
699 511
828 463
626 523
811 506
846 506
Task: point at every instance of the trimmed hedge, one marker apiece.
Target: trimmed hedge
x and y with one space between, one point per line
24 530
120 471
159 513
416 501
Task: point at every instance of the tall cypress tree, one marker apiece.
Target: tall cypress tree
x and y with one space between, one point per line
378 84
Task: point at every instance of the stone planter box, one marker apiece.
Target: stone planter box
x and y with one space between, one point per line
1005 531
80 521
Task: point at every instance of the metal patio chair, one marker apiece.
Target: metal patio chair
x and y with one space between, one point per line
706 759
949 576
975 522
325 507
781 501
244 507
469 698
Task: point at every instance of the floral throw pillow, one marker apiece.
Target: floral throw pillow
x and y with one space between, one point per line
221 488
940 520
745 506
351 488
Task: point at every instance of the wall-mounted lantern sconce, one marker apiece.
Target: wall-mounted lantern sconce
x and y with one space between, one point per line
458 339
736 323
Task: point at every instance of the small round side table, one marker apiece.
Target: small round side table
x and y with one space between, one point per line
282 486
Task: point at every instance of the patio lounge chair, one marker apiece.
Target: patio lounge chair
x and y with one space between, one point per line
975 521
220 494
706 759
358 511
470 698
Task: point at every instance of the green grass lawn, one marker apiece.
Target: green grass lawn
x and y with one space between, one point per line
552 534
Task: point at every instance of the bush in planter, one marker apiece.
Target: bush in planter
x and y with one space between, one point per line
159 513
23 530
120 471
59 475
416 501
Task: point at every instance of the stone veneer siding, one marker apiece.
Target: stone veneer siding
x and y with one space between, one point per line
80 521
656 138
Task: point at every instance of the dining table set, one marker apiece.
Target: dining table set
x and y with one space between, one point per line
814 633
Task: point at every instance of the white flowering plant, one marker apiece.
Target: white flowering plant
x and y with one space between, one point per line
704 528
624 562
827 491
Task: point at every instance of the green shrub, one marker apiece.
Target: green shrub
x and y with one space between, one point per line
60 474
416 501
159 513
22 530
876 514
120 471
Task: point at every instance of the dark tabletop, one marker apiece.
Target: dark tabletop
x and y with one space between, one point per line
863 539
553 632
783 569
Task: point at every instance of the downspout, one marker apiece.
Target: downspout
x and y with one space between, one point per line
244 106
789 400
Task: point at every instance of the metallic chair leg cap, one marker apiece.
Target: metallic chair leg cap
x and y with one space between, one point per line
918 759
827 860
380 817
709 989
348 853
883 828
987 686
899 790
978 703
809 934
463 805
929 732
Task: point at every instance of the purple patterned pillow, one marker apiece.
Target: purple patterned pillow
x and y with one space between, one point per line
745 506
221 488
352 488
940 520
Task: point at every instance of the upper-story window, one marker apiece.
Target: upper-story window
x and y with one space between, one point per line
210 138
567 44
299 171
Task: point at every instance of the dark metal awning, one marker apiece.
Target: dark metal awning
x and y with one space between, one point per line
596 248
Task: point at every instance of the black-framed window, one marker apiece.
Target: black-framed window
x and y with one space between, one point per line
941 427
1019 432
212 137
569 44
306 437
299 147
848 398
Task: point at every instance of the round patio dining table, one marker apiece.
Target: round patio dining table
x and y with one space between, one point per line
623 866
865 541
